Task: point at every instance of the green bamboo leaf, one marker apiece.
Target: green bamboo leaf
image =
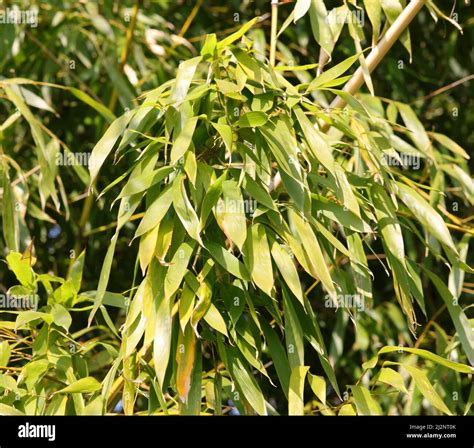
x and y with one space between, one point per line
26 317
344 191
318 386
11 231
99 107
225 131
417 131
252 120
347 409
185 353
316 142
104 277
21 267
178 267
459 318
183 140
312 249
450 144
259 192
426 215
185 210
332 73
259 259
339 214
246 382
210 199
84 385
214 318
320 25
204 293
9 410
426 388
76 270
388 222
144 181
295 395
105 145
458 367
278 354
374 11
294 334
193 404
186 71
162 340
360 267
156 211
456 276
392 378
228 261
230 213
237 35
209 46
5 352
186 306
301 8
287 268
365 403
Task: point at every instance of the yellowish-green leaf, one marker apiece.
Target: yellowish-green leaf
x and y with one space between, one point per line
426 388
365 403
259 259
295 396
318 386
84 385
392 378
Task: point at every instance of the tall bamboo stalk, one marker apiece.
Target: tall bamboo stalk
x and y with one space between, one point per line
381 49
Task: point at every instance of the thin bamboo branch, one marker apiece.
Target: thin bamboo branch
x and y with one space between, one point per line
273 33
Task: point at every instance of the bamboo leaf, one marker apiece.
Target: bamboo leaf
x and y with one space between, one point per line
185 210
320 25
287 269
230 213
185 354
458 367
459 318
365 403
84 385
228 261
246 382
426 388
214 318
260 262
252 120
392 378
332 73
426 215
318 386
185 74
105 145
295 396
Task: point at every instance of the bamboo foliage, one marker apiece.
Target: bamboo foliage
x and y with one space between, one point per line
243 284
